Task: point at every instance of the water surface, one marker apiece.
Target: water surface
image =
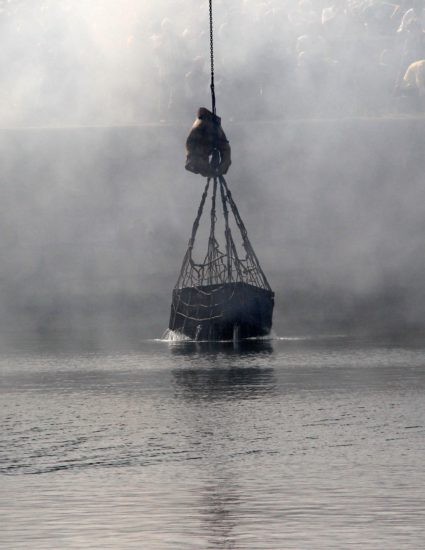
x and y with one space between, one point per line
290 444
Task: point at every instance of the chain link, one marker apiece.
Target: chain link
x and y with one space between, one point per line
212 59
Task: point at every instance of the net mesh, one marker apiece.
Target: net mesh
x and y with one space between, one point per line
221 265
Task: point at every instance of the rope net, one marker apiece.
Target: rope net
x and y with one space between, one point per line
221 264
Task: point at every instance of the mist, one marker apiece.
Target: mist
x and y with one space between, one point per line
96 207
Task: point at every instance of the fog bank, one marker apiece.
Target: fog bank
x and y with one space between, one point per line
95 223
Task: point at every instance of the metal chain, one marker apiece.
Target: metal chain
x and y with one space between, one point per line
212 59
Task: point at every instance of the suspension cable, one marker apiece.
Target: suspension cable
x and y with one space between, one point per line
212 59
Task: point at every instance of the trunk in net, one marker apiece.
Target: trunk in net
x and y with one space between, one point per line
225 297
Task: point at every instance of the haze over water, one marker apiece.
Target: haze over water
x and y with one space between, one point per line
299 444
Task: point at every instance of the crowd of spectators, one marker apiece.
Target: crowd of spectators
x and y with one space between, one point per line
304 59
119 63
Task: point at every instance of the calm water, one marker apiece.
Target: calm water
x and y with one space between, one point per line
294 444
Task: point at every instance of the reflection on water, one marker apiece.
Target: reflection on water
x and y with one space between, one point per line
224 382
211 374
267 445
213 350
220 500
